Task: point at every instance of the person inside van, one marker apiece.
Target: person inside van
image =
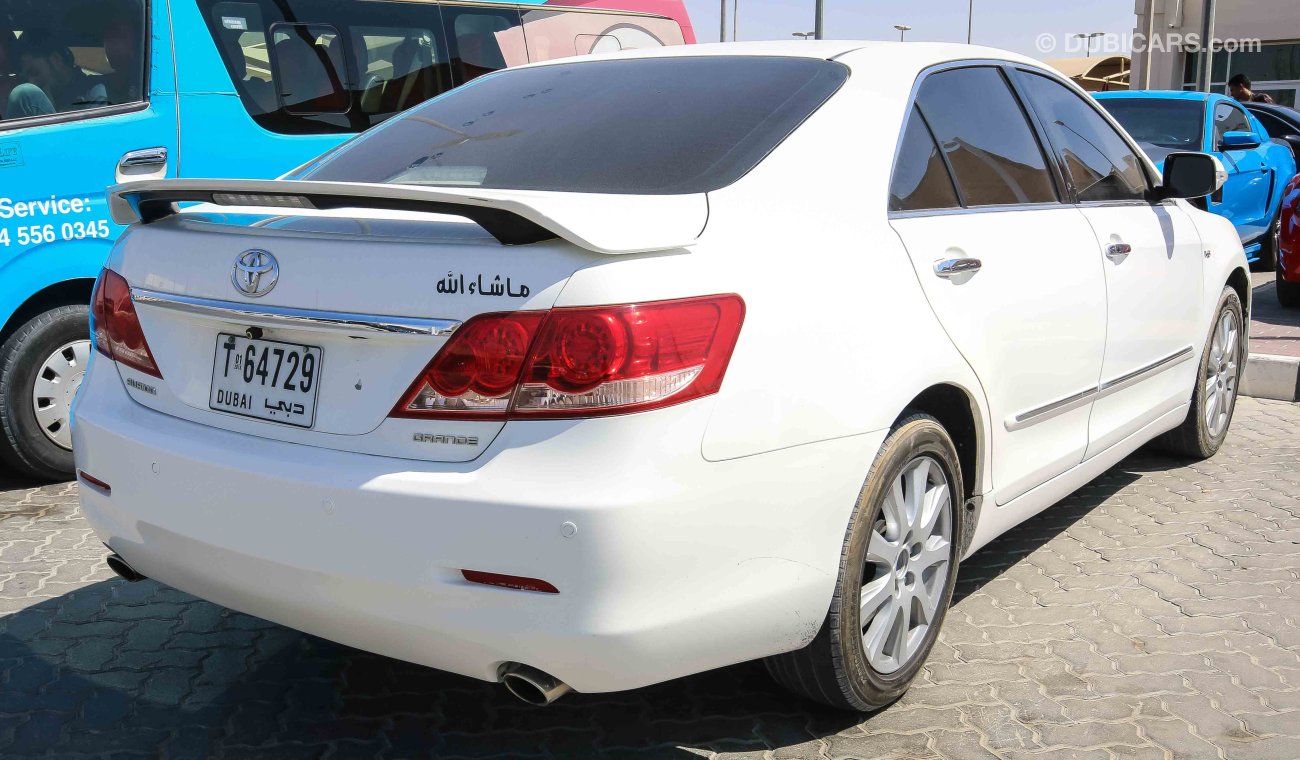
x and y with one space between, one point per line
8 64
123 47
53 83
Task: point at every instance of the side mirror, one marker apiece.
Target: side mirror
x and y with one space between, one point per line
1192 175
1238 141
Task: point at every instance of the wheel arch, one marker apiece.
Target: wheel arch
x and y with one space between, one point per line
1239 281
65 293
957 410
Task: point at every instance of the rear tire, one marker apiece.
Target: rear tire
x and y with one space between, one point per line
1288 293
1269 245
1214 397
44 346
903 566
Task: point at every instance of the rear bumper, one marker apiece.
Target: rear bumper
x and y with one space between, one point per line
678 565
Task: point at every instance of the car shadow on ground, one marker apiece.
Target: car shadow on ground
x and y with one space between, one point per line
141 668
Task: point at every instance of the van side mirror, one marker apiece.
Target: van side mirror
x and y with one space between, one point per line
1192 175
1239 141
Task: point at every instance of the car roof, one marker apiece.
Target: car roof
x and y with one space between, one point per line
900 59
1159 95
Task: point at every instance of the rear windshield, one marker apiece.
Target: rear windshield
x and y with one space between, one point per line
644 126
1160 126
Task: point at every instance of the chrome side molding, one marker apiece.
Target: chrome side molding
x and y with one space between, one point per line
360 325
1074 401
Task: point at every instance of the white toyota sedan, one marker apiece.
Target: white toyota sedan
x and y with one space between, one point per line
597 373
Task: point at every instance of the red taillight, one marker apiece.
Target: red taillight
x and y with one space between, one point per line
582 362
118 334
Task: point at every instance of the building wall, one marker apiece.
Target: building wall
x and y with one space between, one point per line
1273 21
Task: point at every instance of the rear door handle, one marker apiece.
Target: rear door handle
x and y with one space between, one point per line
147 157
1116 251
952 267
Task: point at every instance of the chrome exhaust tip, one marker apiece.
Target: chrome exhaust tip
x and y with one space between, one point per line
123 570
533 686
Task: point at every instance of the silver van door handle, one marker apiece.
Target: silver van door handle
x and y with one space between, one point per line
953 267
141 158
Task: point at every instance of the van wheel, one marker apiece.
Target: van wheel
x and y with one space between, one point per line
1214 397
41 368
897 570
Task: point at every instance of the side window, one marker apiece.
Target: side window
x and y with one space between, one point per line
980 126
1097 160
49 65
1229 118
307 67
484 40
921 181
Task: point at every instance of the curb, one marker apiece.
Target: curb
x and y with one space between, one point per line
1273 377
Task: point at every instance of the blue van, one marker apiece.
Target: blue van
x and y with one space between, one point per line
95 92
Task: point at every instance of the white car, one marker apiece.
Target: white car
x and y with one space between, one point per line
602 372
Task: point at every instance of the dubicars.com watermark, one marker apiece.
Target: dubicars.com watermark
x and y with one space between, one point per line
1117 44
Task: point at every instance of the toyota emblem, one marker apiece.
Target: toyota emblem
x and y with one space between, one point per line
256 273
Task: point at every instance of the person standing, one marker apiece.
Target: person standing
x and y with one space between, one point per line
1240 85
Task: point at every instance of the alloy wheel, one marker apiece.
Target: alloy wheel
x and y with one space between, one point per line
56 385
904 582
1221 373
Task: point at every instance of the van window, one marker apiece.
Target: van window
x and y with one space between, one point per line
63 57
644 126
484 40
329 66
559 34
980 126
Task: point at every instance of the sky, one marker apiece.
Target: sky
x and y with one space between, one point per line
1030 27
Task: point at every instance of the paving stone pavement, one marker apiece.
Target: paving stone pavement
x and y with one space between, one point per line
1153 614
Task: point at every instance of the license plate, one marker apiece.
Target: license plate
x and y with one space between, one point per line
266 379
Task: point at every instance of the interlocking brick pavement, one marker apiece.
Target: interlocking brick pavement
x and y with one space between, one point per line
1273 329
1153 614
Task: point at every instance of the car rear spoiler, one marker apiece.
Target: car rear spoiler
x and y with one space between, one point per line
613 224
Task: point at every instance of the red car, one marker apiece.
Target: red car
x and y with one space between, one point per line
1288 259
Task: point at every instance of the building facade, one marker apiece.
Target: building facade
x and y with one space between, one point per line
1166 29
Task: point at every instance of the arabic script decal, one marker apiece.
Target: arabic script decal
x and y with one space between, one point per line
455 283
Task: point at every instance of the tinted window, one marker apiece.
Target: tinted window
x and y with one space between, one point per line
1098 161
652 126
312 66
921 180
70 56
1229 119
1275 126
1160 126
559 34
980 126
484 40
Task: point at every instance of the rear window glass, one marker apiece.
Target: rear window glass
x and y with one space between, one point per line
645 126
1160 126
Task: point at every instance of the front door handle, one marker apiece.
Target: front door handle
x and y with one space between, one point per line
1116 251
952 267
141 158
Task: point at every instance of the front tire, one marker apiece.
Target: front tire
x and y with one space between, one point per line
41 368
897 569
1215 396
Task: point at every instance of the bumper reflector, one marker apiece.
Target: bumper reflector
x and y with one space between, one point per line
94 482
509 581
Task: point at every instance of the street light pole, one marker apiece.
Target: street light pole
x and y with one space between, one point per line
902 30
819 24
1087 38
722 29
735 21
970 20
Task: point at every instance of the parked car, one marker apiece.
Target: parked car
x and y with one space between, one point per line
1258 168
208 88
1280 121
1288 262
595 398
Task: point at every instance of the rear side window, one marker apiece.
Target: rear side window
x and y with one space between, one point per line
981 128
638 126
921 181
1229 119
1097 160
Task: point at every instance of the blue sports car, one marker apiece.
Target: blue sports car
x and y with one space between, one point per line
1259 167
